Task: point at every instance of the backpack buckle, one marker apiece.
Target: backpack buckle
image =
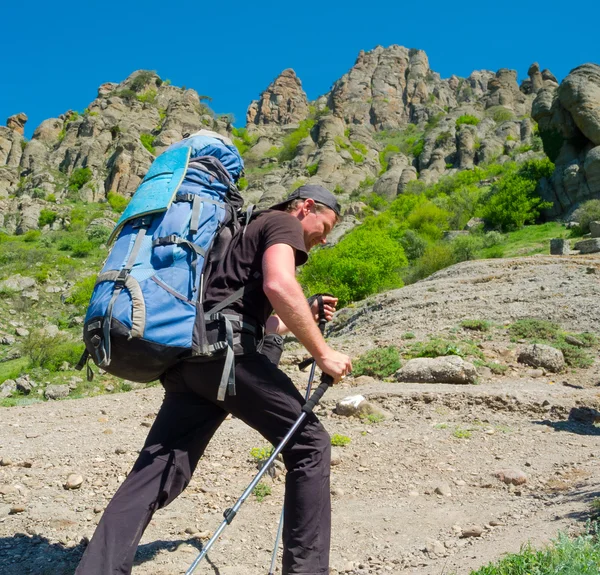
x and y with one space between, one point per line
122 277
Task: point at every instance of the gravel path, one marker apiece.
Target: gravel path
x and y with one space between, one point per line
406 491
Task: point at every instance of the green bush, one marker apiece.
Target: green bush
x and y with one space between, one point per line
261 491
243 140
476 324
242 183
149 97
439 346
467 119
260 454
435 258
98 235
500 114
588 212
51 198
379 362
312 168
408 141
428 219
364 262
47 217
82 292
50 352
465 248
514 201
384 156
291 141
360 147
338 440
414 245
148 142
142 79
79 178
32 236
532 328
565 556
493 238
375 201
82 248
117 202
443 137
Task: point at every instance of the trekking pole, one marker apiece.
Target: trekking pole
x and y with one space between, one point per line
311 377
229 514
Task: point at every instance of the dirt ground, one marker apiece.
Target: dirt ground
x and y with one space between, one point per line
406 491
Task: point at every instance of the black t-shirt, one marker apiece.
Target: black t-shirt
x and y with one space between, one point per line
244 259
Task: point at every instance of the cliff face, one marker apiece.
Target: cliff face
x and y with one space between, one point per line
388 121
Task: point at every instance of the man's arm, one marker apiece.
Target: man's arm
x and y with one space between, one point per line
288 301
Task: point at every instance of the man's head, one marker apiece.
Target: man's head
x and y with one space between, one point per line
317 209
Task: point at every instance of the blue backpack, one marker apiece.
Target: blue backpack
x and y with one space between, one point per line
146 311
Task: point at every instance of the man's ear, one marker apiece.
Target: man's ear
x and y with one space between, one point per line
309 204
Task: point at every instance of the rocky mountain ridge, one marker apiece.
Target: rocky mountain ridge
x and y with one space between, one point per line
389 121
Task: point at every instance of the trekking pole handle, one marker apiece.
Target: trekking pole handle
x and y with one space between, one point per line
326 381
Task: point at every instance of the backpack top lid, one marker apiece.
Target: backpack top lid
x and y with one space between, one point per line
164 177
209 143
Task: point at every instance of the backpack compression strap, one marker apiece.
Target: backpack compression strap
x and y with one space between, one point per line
227 383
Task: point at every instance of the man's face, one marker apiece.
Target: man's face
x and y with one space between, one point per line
317 225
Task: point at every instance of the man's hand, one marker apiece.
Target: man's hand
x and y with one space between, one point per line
334 363
329 304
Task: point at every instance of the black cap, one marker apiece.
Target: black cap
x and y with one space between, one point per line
318 193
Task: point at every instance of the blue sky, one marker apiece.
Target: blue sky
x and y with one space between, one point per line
55 55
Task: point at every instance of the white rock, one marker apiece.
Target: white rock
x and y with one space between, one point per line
74 481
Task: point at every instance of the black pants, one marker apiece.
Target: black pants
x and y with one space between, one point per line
267 401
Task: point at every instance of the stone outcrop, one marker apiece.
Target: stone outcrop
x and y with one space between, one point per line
569 124
283 102
17 123
504 91
389 87
106 139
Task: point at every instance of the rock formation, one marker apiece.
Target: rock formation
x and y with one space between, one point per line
388 121
569 123
283 102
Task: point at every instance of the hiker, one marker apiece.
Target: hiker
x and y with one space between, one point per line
273 244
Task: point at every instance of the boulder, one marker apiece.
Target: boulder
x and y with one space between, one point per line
540 355
357 406
56 391
589 246
17 283
595 229
559 247
7 388
511 476
24 384
445 369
